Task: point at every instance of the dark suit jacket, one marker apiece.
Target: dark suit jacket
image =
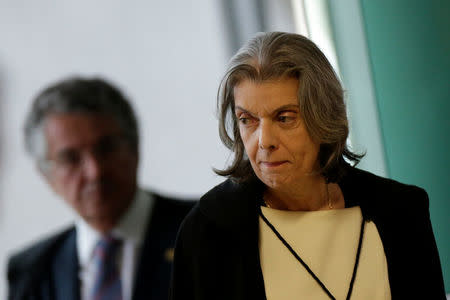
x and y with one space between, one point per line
49 269
217 255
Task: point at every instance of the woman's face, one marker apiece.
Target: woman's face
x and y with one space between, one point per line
273 131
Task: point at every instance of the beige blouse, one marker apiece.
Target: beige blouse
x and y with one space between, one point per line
327 241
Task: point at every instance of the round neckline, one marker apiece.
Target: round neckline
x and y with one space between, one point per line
303 212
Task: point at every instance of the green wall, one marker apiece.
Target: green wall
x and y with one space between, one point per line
409 49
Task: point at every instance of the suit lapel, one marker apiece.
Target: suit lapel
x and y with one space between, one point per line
155 264
65 270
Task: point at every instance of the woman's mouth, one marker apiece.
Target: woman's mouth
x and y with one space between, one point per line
272 164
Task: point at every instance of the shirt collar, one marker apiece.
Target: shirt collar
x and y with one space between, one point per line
130 228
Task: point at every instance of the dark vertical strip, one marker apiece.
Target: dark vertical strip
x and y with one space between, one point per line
261 17
231 27
237 14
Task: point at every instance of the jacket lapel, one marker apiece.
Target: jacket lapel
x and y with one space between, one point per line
155 264
253 261
65 270
238 214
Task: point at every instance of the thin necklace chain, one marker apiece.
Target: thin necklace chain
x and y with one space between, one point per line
330 204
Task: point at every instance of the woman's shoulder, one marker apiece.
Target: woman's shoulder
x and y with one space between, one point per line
380 193
381 184
223 190
229 206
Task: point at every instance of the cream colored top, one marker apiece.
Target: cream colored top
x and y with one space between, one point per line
327 241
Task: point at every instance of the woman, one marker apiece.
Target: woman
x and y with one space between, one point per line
294 220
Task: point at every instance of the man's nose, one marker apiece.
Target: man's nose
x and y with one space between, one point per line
92 166
268 138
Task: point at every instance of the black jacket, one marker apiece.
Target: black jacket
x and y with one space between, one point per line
49 269
217 256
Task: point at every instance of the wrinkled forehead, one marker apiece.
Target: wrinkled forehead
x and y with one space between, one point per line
265 95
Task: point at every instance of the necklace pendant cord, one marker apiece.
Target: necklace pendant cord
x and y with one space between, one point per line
308 269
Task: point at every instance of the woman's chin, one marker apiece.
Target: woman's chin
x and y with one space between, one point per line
275 181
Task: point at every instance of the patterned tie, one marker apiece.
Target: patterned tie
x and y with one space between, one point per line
107 283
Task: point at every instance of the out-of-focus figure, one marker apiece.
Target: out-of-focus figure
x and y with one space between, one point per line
83 136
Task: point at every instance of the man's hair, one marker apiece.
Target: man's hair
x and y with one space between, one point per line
277 55
78 95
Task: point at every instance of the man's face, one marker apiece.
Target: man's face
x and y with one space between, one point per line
91 166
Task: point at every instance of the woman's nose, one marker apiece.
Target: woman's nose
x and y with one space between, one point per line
268 138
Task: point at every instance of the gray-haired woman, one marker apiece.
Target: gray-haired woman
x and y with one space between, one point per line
295 220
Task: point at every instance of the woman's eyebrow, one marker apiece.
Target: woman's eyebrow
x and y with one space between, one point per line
241 108
286 107
274 112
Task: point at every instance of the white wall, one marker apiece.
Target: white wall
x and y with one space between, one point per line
168 56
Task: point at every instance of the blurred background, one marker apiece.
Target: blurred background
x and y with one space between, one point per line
168 56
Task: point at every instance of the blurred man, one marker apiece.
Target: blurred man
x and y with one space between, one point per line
83 135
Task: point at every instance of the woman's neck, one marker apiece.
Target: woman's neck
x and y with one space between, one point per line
308 195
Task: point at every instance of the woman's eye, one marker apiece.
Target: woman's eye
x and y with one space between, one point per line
245 120
286 119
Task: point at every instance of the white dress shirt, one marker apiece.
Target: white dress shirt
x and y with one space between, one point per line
130 230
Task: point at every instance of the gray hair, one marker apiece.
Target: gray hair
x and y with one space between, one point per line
274 55
78 95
